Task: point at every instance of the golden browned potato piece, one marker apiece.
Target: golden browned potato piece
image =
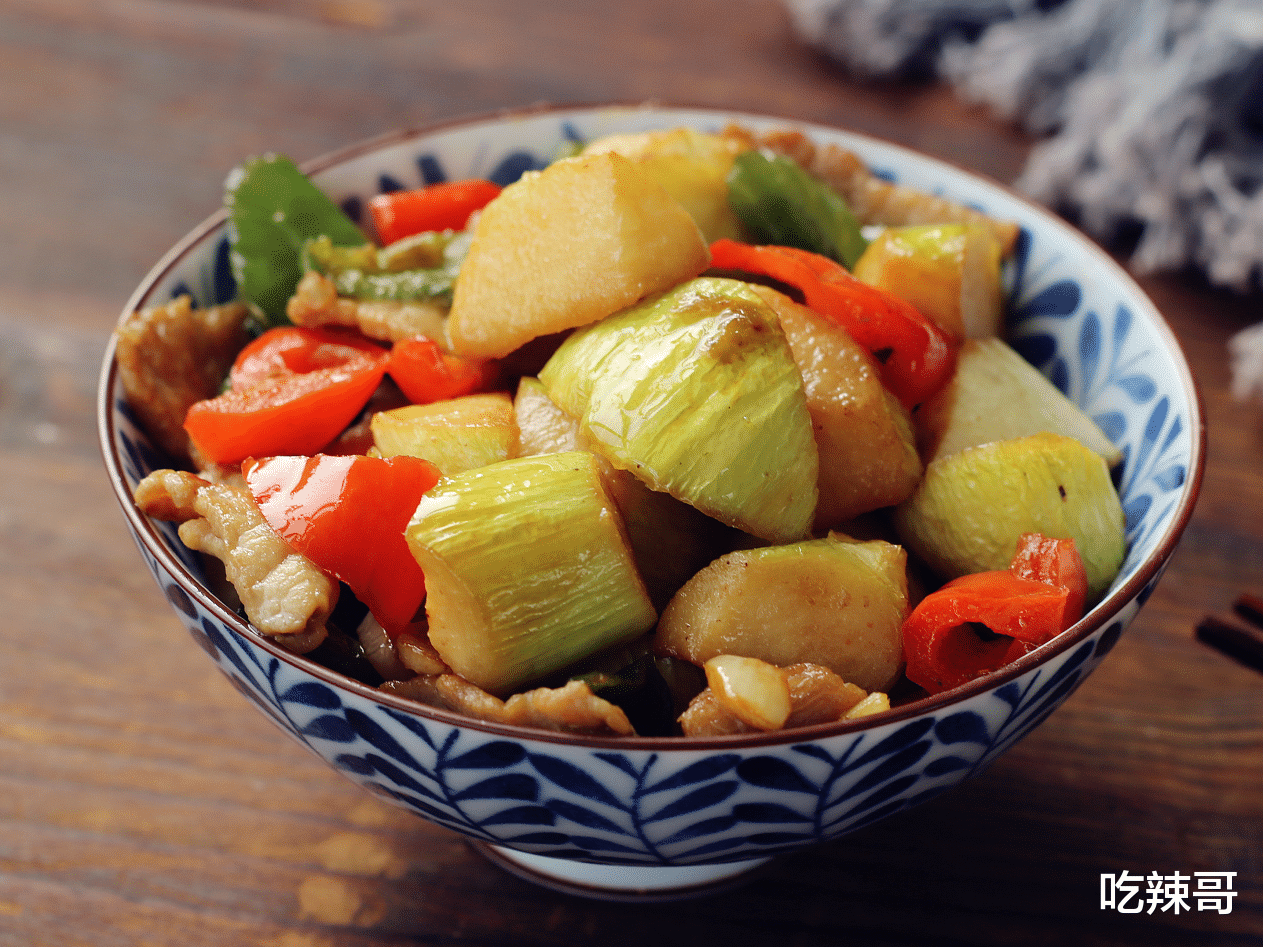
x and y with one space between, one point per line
989 372
832 602
949 272
566 246
693 166
864 437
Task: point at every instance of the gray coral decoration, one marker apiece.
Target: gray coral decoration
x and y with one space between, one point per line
1150 114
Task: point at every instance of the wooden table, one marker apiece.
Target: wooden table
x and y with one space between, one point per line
144 802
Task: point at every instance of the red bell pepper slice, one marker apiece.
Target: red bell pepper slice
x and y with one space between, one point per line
1057 562
916 357
443 206
347 515
1041 594
425 373
941 648
296 350
292 391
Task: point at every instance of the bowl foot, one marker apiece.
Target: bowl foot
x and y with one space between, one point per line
621 882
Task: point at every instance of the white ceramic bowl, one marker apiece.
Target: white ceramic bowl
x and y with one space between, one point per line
664 816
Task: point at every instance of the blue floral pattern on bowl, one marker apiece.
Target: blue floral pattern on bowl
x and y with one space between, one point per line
661 802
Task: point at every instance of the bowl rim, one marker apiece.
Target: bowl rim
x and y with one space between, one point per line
1117 599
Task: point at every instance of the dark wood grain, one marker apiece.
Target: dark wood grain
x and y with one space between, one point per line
144 802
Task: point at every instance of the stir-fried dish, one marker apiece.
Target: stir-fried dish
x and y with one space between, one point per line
686 433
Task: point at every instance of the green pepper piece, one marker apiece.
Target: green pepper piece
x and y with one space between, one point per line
419 251
273 209
640 690
391 273
321 255
780 203
410 285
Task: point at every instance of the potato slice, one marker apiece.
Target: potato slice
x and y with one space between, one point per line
693 166
864 437
831 602
949 272
455 435
566 246
990 373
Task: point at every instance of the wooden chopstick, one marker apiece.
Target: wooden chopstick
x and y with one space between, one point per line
1250 607
1243 643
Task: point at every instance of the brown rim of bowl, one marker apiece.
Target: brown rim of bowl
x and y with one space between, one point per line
1110 606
